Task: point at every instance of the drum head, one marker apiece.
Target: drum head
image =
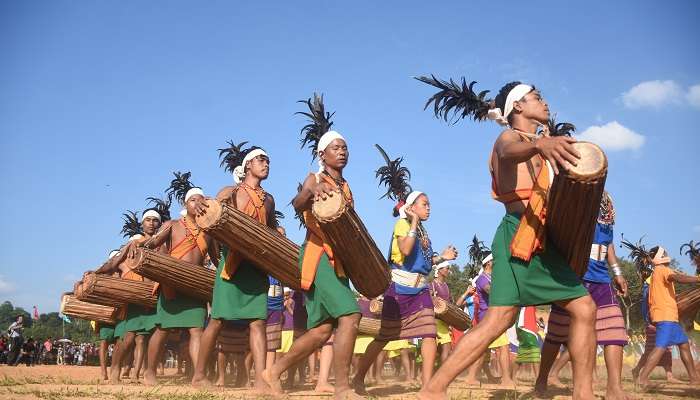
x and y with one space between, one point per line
134 262
593 162
212 216
330 208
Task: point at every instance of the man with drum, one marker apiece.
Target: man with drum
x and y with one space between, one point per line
526 271
240 287
329 301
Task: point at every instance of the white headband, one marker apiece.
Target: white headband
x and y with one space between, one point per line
113 253
661 257
239 171
151 213
515 94
487 259
409 202
324 142
193 192
444 264
135 237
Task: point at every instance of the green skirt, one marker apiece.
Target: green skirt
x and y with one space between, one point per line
244 296
180 312
528 347
329 297
120 329
547 278
139 319
107 333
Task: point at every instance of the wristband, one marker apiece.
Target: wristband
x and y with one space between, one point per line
617 271
412 234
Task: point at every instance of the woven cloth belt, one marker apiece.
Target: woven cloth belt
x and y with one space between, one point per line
410 279
599 252
274 291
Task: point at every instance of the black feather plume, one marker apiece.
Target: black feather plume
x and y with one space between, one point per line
477 251
455 100
161 206
299 216
394 177
179 186
232 156
638 253
319 122
560 128
132 226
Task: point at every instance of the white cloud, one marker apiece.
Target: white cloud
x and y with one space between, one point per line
652 94
613 136
693 96
6 286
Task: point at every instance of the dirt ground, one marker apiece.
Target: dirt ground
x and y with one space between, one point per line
72 382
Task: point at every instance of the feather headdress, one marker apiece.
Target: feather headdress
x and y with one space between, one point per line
457 100
693 252
161 206
132 225
395 178
232 156
179 186
560 128
639 254
319 122
477 251
606 214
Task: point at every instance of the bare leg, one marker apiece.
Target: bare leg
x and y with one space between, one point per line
206 347
248 363
103 359
406 363
446 349
428 351
312 368
504 362
373 354
472 345
324 370
652 361
122 348
343 344
613 365
258 349
549 355
221 368
582 344
301 348
155 346
473 370
270 357
139 354
379 365
687 359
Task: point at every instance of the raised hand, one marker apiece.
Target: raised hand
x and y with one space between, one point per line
558 151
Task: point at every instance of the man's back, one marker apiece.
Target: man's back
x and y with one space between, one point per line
662 296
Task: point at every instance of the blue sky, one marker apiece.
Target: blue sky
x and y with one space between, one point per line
101 101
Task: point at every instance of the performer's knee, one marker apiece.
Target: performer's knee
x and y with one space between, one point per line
583 310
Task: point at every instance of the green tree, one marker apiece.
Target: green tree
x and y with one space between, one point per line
48 325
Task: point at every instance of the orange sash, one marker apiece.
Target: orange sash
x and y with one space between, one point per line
530 236
255 209
317 243
183 248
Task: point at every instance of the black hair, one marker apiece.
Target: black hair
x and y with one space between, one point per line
502 96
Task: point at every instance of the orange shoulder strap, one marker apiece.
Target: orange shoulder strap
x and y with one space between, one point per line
530 235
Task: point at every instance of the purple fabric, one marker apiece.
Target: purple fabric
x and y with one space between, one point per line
398 306
288 323
300 314
274 317
364 308
481 283
441 290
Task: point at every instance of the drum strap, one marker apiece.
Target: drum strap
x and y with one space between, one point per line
317 243
183 248
255 208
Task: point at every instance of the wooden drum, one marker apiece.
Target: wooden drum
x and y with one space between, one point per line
451 314
260 244
118 290
184 277
73 307
363 262
369 326
688 303
574 204
375 306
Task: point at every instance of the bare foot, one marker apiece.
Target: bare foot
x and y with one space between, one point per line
554 381
114 377
149 378
645 386
426 395
347 394
359 387
261 387
506 384
201 382
272 382
541 390
672 379
220 383
616 394
472 382
324 388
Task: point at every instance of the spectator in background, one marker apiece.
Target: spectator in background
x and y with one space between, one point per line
16 340
26 353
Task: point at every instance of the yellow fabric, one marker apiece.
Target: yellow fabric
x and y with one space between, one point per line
361 344
255 208
287 340
696 326
401 229
662 296
500 341
396 345
443 332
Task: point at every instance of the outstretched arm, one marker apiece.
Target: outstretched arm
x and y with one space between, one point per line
683 278
159 238
112 265
557 150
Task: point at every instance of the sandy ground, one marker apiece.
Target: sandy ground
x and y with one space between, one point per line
71 382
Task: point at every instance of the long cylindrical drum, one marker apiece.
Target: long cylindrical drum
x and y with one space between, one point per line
688 303
574 203
369 326
73 307
363 262
375 306
451 314
263 246
118 290
80 293
187 278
